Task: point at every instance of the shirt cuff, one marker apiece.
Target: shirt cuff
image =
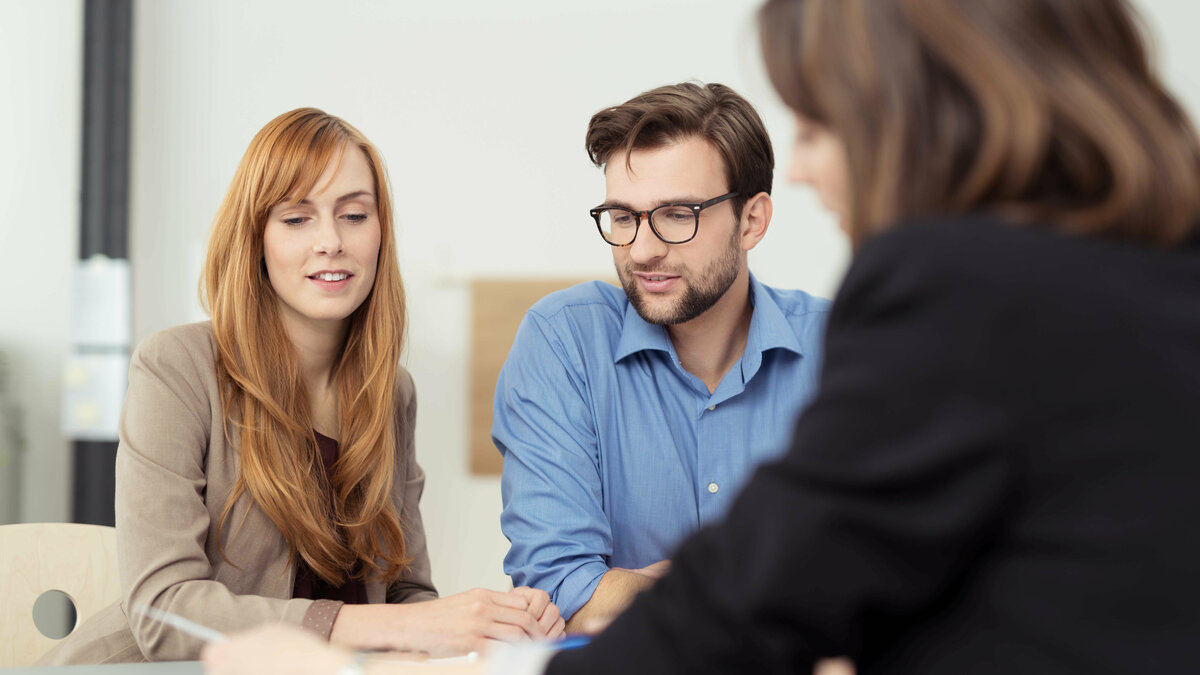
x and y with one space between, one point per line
320 616
577 588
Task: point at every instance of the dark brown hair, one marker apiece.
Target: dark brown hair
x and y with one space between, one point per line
1042 110
676 112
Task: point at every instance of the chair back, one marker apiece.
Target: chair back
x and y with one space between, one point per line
79 560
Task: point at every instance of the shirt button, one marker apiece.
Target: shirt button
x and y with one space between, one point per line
712 407
713 487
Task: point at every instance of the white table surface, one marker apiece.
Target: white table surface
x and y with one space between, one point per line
161 668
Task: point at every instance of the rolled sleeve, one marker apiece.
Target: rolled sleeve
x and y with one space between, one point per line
551 485
577 587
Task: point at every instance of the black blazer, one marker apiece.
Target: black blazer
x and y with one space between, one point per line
1000 473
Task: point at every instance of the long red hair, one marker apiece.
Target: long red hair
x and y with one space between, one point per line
262 394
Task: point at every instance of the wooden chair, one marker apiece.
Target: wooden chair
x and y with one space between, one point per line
79 560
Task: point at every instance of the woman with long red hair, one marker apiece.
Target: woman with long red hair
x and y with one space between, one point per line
266 467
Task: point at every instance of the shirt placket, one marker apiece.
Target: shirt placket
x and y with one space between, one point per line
715 446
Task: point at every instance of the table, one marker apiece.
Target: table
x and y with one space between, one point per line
160 668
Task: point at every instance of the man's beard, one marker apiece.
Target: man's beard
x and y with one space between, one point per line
702 292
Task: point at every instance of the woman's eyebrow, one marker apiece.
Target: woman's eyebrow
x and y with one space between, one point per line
344 198
354 195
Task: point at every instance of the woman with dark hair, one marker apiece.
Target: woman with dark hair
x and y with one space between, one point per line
266 469
997 474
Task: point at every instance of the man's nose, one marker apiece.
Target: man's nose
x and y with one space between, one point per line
646 246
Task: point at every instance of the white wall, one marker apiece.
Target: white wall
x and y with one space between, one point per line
480 109
41 58
1172 24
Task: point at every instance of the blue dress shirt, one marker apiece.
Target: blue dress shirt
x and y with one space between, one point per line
613 453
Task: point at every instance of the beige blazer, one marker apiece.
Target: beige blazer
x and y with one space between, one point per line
174 474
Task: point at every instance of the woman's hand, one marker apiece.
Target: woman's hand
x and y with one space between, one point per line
545 611
467 622
277 648
273 648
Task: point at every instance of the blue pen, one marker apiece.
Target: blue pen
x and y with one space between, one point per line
572 641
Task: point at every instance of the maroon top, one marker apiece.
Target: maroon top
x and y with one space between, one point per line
308 584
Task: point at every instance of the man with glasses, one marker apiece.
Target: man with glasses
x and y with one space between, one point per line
629 418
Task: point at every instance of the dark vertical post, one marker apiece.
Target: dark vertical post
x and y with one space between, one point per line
107 75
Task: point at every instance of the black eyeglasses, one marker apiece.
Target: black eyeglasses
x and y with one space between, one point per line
672 223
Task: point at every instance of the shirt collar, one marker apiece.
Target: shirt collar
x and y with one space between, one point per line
638 335
769 329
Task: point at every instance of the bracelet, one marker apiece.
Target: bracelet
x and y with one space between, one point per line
355 665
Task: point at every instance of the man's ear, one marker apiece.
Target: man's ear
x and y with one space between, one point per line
756 218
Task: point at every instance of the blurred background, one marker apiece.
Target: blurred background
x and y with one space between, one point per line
479 109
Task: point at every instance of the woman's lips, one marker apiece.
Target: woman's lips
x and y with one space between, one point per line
331 281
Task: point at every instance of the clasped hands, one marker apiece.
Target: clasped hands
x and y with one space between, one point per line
467 622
